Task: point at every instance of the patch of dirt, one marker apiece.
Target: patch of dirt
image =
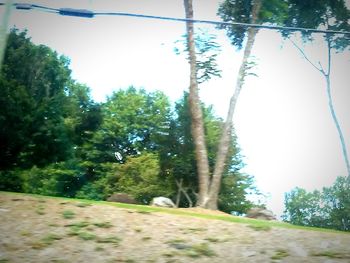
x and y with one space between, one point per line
54 230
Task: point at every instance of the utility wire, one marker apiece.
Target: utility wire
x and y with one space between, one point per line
90 14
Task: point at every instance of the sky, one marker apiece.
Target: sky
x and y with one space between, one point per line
282 120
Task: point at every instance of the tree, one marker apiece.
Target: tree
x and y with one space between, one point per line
209 186
179 162
33 82
329 208
329 15
304 208
133 121
82 115
197 126
337 204
206 50
226 133
45 117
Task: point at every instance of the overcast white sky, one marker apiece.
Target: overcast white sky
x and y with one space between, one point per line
282 120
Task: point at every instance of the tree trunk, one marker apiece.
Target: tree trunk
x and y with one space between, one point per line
327 76
197 125
331 108
184 191
225 140
209 188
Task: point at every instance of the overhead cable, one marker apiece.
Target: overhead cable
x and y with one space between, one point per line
90 14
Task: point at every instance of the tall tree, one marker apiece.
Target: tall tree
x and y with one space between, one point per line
226 133
329 15
133 121
329 208
33 83
197 126
210 184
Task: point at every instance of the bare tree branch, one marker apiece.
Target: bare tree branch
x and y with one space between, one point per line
306 57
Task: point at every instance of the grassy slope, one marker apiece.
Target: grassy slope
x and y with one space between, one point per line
253 222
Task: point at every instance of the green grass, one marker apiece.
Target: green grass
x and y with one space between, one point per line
200 250
332 254
144 208
80 224
279 254
45 241
86 235
51 237
68 214
103 224
109 239
259 227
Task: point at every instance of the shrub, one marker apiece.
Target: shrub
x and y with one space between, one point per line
60 179
11 181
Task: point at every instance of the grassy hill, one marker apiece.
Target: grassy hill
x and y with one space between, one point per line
49 229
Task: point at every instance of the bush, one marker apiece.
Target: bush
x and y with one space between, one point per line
140 177
93 190
62 179
11 181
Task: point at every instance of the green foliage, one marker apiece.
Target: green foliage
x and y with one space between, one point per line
140 177
32 84
271 12
329 14
133 121
337 200
82 115
55 140
234 190
179 159
329 208
304 207
61 179
11 180
207 50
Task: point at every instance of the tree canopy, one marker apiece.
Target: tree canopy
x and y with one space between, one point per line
56 140
329 208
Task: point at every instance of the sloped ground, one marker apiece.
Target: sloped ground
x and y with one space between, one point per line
35 229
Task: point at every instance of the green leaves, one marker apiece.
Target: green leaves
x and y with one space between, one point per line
133 121
272 12
62 143
207 51
329 208
325 14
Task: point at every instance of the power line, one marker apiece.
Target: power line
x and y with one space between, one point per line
90 14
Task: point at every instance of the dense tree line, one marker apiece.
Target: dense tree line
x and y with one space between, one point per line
329 208
55 140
